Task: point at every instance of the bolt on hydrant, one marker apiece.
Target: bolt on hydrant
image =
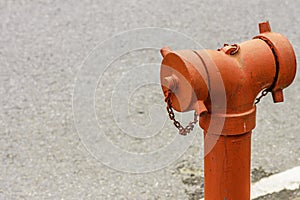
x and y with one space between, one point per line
222 87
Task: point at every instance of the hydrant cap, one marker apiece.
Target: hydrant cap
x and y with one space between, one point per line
285 62
179 73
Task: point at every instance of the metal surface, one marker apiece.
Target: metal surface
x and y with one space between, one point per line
227 167
264 64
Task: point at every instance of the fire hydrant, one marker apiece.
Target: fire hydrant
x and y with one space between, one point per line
222 88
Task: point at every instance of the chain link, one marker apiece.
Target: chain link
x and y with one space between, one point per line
182 130
264 93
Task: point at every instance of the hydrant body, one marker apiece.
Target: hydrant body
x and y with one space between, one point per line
222 86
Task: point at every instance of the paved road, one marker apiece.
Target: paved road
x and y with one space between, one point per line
42 47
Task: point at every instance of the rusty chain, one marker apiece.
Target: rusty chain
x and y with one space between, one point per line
182 130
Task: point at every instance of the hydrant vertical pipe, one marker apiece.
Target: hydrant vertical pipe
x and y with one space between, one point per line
227 167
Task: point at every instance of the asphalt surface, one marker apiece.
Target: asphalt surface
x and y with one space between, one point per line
42 47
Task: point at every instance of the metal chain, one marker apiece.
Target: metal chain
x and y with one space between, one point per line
182 130
264 93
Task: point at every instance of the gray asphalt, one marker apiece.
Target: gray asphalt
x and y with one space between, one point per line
42 47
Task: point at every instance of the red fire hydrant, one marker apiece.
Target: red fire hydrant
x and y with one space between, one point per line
222 87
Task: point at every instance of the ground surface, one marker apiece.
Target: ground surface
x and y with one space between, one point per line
42 47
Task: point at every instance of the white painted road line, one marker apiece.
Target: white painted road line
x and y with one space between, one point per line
289 179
